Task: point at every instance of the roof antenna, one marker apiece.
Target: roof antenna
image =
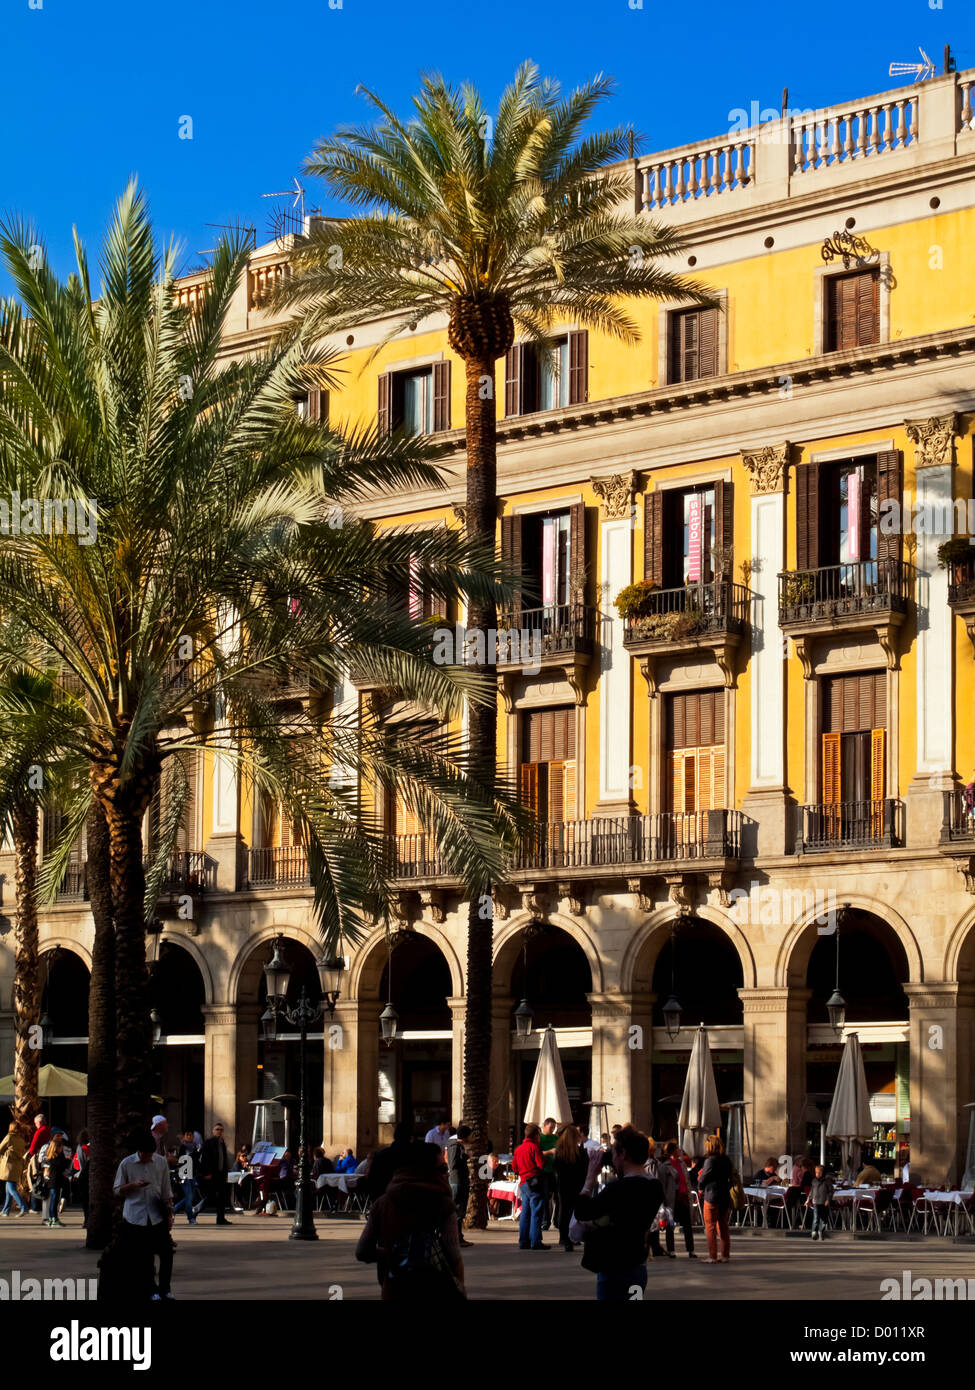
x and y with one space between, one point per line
284 222
921 71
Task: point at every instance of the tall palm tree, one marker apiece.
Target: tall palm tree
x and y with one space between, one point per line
512 224
216 537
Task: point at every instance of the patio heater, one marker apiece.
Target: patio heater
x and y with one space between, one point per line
738 1144
968 1181
598 1118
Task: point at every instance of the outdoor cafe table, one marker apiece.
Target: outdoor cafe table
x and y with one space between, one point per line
953 1202
757 1198
505 1191
846 1199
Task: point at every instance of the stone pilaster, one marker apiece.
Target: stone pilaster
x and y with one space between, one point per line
774 1067
942 1038
616 668
458 1015
611 1054
351 1082
501 1097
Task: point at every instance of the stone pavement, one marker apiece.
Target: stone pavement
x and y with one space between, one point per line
253 1259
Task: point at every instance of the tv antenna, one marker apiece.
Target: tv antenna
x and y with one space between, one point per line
920 71
284 221
236 228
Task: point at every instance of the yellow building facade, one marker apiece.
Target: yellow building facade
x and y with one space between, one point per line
750 783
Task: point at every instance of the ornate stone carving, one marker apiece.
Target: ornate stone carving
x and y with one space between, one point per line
641 891
721 883
933 440
460 512
681 893
616 493
572 893
531 899
431 900
966 867
766 467
501 909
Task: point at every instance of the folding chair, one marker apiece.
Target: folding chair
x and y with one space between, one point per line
776 1202
358 1199
926 1210
865 1204
323 1193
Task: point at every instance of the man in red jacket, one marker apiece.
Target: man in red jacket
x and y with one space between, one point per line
40 1137
528 1163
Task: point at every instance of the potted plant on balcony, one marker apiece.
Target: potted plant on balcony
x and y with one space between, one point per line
635 605
958 548
797 591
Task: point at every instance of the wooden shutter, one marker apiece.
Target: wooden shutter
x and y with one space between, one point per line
878 764
807 517
677 777
511 536
529 786
407 822
707 330
578 368
653 538
512 379
889 488
868 308
441 396
384 414
676 334
569 789
718 789
556 792
577 553
832 790
724 522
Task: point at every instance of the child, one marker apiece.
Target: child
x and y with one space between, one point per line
820 1196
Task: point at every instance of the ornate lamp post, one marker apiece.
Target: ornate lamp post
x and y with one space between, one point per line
672 1009
300 1015
524 1015
836 1004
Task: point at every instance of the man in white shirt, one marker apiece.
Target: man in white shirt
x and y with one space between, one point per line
439 1134
143 1182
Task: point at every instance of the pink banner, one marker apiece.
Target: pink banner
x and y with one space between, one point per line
853 486
548 560
695 513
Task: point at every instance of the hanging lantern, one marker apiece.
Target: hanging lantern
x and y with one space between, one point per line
672 1016
389 1023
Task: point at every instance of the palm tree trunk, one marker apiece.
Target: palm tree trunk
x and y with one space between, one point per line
124 804
101 1040
481 427
27 992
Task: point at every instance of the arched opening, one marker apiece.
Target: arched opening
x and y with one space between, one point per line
873 969
415 1071
699 966
552 973
177 995
64 1002
279 1062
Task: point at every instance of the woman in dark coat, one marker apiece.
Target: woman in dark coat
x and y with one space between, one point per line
412 1235
715 1190
571 1162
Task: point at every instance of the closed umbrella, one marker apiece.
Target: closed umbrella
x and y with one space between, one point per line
548 1100
700 1113
849 1117
52 1081
968 1180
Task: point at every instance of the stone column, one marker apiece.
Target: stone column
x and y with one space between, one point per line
616 666
934 457
765 801
230 1076
501 1096
611 1054
774 1082
458 1014
942 1037
350 1106
639 1046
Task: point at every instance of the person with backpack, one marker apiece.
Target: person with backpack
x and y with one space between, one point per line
615 1225
715 1190
411 1233
54 1166
663 1170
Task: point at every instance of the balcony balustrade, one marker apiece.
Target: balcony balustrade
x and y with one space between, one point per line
278 866
841 825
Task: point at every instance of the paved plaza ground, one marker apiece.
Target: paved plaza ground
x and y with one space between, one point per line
253 1259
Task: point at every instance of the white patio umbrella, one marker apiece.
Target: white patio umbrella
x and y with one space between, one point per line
548 1098
968 1180
849 1117
700 1113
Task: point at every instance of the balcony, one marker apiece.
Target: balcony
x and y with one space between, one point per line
74 885
961 587
559 636
278 866
865 595
687 620
841 825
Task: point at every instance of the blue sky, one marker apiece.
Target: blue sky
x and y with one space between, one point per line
94 89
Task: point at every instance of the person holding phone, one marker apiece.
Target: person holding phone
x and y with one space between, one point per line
142 1181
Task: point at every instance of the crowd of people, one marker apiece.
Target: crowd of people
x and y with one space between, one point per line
45 1174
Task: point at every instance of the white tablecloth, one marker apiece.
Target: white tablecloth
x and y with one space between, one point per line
944 1197
345 1182
763 1193
843 1195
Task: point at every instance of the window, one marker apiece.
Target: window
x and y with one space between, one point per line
854 738
696 751
693 346
536 380
838 508
548 766
422 602
313 406
852 310
689 534
549 550
416 402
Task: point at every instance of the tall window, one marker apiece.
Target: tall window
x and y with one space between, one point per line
696 751
547 552
693 345
417 402
689 534
852 310
548 763
537 380
854 741
848 530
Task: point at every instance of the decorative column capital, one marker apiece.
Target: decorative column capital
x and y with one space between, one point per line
767 467
616 494
933 440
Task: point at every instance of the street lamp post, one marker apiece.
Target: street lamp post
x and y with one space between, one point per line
300 1015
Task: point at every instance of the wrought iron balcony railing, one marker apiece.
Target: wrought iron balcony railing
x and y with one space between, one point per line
74 885
849 825
527 634
866 587
278 866
961 580
190 871
693 610
959 815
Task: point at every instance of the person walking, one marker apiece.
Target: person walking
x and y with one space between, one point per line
569 1165
616 1224
682 1202
820 1197
666 1175
187 1175
386 1161
54 1165
411 1233
13 1161
142 1181
458 1157
715 1189
78 1174
528 1166
214 1167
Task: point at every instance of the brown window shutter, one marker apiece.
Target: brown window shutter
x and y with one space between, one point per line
577 552
868 308
851 704
707 356
569 789
878 764
880 699
529 786
889 488
570 731
559 740
555 789
384 410
724 518
718 792
512 379
441 396
690 781
314 406
807 517
547 721
578 368
675 348
511 533
653 538
705 736
692 720
831 769
676 730
675 780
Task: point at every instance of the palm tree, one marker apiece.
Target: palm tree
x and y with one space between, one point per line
216 539
518 230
